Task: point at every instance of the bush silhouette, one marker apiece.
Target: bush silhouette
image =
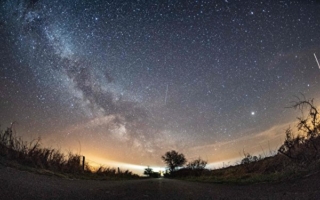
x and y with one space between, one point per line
148 171
249 159
197 164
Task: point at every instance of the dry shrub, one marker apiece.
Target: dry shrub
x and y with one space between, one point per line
32 154
303 149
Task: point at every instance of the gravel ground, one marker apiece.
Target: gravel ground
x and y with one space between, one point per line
16 184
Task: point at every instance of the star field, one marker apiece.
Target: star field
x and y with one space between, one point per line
130 80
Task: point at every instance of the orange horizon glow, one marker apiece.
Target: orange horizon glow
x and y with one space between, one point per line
220 154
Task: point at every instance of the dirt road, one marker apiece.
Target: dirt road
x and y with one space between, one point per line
15 184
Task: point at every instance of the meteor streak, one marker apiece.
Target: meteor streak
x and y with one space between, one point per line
316 60
165 98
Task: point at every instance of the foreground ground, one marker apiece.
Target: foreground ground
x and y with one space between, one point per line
16 184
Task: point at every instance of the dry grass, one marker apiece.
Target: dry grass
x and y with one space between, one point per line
27 155
271 169
304 159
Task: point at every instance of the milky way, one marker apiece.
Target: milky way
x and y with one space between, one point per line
129 80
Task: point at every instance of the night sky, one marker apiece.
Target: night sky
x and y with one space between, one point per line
126 81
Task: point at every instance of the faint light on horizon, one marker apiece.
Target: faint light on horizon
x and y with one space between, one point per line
137 169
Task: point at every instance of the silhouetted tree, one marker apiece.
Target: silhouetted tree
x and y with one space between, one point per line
310 124
148 171
197 164
173 159
303 148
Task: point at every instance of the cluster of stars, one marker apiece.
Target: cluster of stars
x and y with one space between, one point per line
155 75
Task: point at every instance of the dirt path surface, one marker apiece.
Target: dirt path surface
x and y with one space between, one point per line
15 184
